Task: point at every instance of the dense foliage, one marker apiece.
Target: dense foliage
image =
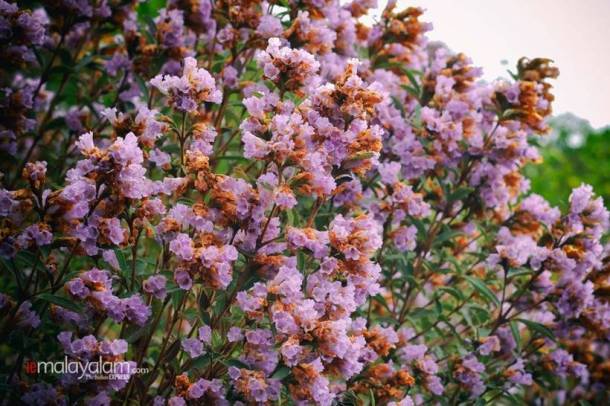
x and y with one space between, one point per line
575 153
275 203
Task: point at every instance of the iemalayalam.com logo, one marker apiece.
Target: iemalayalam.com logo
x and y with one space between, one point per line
99 369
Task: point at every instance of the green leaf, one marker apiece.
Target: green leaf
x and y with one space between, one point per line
452 291
380 299
512 398
538 328
83 62
483 290
177 297
219 306
412 79
445 236
398 104
137 334
121 259
480 313
6 264
460 194
411 90
465 313
516 335
26 259
235 363
200 362
520 272
232 158
281 373
61 301
203 305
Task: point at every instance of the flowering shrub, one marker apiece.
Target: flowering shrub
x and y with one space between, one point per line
259 202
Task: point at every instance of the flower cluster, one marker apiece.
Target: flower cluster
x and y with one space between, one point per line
188 91
95 288
21 30
280 202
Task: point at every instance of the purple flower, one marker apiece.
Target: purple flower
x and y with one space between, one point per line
259 353
183 279
176 401
37 234
197 390
117 62
186 92
135 310
540 209
516 373
77 288
159 158
205 334
412 352
111 258
468 373
114 347
170 27
192 346
488 345
26 317
42 394
114 232
230 77
355 237
298 65
269 26
433 384
405 238
389 172
36 172
155 285
315 241
575 298
126 151
234 334
182 246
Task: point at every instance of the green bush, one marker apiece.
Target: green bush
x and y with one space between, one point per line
574 154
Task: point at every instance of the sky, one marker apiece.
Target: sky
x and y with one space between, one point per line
573 33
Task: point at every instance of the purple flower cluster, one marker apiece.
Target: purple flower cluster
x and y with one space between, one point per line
21 31
95 288
188 91
90 349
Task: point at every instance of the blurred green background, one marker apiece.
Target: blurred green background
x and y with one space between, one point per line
573 153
